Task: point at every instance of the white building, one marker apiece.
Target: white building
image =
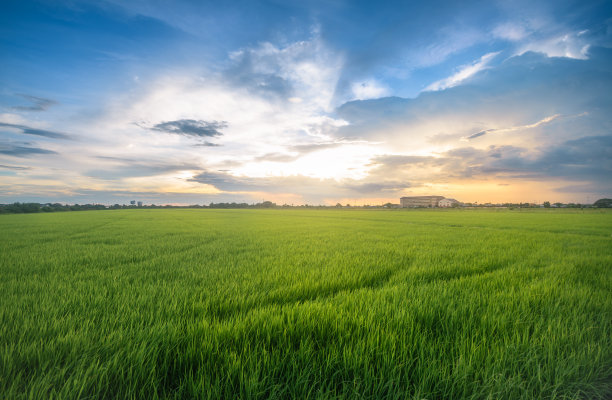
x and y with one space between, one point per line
420 201
447 202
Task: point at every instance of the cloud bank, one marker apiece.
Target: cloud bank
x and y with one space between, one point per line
191 127
36 103
35 131
311 102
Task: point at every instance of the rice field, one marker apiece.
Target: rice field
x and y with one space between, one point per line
306 304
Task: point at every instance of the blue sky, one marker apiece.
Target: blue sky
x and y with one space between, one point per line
305 102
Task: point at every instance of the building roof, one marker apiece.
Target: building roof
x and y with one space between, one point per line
422 197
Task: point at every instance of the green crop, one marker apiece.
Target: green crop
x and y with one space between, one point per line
306 304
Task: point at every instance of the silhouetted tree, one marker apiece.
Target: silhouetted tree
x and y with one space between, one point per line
603 203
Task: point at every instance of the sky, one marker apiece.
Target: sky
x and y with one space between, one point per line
305 102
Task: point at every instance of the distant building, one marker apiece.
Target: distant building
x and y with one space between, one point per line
133 202
447 203
140 204
420 201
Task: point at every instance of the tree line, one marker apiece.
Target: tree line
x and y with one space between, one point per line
23 208
27 208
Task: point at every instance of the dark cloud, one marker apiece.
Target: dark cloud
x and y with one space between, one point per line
401 160
376 187
453 29
227 182
587 159
481 133
132 168
119 159
22 151
37 103
14 168
584 159
192 127
521 91
524 94
34 131
300 150
312 189
595 188
259 73
468 162
207 144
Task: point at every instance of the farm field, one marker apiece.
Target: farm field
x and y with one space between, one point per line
308 304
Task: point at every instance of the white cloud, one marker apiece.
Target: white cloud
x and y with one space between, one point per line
115 151
570 45
369 89
536 124
543 121
510 31
266 119
464 73
259 120
307 70
445 42
11 118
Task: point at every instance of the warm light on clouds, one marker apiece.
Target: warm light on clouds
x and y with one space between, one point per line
511 129
487 102
172 183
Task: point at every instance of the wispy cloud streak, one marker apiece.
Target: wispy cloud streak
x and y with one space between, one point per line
37 103
35 131
22 151
513 128
464 73
192 127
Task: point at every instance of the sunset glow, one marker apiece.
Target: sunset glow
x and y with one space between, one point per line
316 102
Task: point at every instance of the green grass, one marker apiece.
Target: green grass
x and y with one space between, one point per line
146 304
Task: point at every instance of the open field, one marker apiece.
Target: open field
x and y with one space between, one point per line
306 304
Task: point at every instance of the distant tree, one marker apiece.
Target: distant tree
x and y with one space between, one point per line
18 208
547 204
603 203
338 205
